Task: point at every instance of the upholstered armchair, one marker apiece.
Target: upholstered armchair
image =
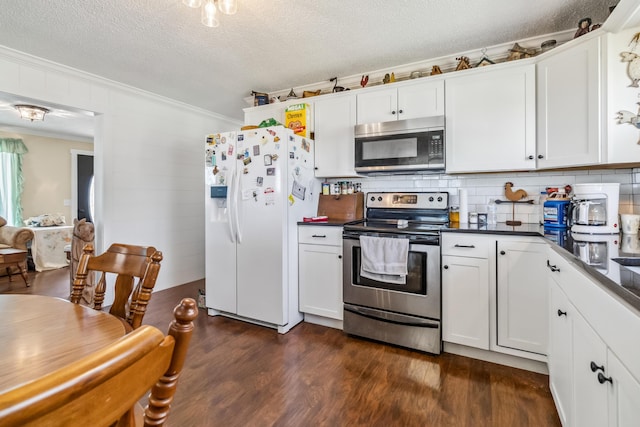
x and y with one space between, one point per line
14 237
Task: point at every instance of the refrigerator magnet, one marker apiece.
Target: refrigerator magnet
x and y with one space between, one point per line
274 157
246 160
223 140
272 132
259 181
276 139
256 150
230 150
223 156
305 145
298 190
291 200
271 171
267 159
292 155
264 140
246 152
245 171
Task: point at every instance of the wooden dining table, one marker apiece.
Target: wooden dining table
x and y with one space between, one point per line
39 334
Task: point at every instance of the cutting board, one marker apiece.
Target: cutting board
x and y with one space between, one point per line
342 207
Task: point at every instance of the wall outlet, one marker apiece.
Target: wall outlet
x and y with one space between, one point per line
67 202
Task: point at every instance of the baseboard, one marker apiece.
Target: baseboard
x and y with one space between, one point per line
323 321
499 358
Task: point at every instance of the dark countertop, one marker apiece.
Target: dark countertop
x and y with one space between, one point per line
619 281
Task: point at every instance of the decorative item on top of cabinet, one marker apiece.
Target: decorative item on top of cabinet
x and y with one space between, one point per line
337 88
583 27
484 61
463 63
364 80
435 70
519 52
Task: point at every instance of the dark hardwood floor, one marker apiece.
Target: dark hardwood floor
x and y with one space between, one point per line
239 374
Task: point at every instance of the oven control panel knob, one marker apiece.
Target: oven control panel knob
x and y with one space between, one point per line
379 198
373 199
431 199
440 198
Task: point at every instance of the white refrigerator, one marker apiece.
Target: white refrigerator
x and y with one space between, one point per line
259 184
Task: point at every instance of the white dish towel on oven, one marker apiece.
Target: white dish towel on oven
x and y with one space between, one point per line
384 259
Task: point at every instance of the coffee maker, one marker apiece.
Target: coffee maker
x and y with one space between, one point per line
594 208
597 250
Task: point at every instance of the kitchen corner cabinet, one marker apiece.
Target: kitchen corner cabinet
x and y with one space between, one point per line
522 294
335 118
491 119
593 364
320 270
569 106
407 101
465 289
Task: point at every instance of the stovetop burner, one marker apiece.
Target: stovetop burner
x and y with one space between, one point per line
418 216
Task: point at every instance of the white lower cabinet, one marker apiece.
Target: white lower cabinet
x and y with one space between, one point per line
522 294
465 301
320 270
494 293
592 383
560 351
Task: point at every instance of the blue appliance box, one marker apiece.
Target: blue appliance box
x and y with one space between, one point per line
555 213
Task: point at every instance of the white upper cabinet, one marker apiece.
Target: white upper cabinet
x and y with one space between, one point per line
569 106
335 118
490 116
408 101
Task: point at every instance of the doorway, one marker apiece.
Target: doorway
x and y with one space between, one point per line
82 183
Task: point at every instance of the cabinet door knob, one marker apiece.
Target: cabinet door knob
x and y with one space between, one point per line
540 156
339 256
595 367
393 112
602 379
561 313
315 168
530 157
503 253
399 111
446 267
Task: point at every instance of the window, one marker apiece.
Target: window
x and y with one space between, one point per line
11 179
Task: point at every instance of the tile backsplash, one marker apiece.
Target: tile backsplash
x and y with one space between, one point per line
484 188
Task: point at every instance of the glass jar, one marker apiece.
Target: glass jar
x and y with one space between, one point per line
454 214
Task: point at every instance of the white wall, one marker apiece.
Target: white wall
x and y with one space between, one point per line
148 159
484 187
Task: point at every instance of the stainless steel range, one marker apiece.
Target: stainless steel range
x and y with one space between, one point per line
404 308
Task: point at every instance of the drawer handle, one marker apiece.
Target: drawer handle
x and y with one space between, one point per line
319 235
602 379
562 313
552 267
595 367
464 246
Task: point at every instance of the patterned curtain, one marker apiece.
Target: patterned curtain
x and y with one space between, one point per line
11 179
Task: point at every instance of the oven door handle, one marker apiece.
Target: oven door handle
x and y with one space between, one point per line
388 317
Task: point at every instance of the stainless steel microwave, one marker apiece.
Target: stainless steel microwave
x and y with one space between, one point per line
400 146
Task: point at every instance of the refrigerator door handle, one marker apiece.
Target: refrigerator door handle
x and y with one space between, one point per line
229 208
237 190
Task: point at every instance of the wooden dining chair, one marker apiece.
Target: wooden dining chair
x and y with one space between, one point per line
129 264
103 388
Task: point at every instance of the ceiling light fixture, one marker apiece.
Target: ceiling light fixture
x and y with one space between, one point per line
31 112
210 9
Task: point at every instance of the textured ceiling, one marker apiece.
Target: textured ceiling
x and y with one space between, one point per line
160 45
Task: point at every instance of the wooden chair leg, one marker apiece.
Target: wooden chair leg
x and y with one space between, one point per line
9 273
23 272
